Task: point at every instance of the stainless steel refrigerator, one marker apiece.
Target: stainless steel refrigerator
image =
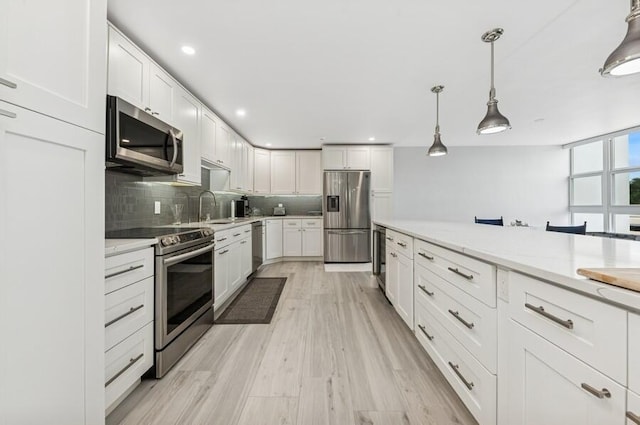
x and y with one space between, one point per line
347 221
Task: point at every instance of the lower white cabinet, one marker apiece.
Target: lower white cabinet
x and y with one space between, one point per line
232 262
391 284
634 352
399 284
549 386
291 238
312 240
302 237
381 205
274 239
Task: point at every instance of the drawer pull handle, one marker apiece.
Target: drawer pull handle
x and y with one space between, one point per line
8 83
540 310
223 252
402 244
130 269
598 393
464 322
393 254
7 114
132 361
122 316
423 255
243 242
459 273
424 289
424 331
235 235
389 239
247 231
456 369
633 417
221 239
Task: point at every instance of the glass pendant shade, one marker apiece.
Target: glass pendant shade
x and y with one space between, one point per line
625 59
494 121
437 149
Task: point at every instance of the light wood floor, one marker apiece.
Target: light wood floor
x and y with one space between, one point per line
335 353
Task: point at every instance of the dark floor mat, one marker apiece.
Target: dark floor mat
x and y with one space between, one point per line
255 304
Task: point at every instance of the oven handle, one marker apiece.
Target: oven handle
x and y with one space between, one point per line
179 258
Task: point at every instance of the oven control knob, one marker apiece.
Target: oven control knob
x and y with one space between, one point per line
167 241
207 232
175 239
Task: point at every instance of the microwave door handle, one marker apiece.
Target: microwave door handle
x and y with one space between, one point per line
175 148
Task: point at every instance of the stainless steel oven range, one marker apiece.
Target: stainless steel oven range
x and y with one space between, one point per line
183 289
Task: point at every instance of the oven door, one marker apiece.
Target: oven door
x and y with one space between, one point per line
184 291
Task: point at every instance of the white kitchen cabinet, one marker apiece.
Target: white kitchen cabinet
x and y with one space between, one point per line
393 266
246 257
237 172
381 205
223 145
128 72
208 133
249 171
235 266
312 237
262 171
162 92
221 290
634 353
53 62
346 157
283 172
381 168
308 172
188 111
400 284
549 386
274 239
291 238
53 369
232 262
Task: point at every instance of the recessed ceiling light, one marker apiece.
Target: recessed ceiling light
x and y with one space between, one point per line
267 144
372 139
188 50
241 112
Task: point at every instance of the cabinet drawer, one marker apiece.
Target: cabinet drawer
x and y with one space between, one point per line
471 322
222 238
474 384
591 330
124 269
401 242
127 310
239 232
313 223
474 277
634 353
633 408
291 223
127 362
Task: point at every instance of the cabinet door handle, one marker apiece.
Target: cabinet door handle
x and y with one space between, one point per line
132 361
598 393
424 289
8 83
130 269
423 255
122 316
402 244
461 320
424 331
389 239
459 273
235 235
223 252
147 109
243 242
221 239
633 417
155 113
456 369
247 231
7 114
540 310
393 254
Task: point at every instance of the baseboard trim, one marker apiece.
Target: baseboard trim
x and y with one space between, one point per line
348 267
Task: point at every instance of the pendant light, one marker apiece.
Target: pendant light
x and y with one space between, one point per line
437 149
494 121
625 59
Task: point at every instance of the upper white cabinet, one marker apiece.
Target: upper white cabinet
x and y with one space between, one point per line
249 170
128 73
208 133
52 368
262 171
346 157
188 111
223 145
382 168
53 62
381 205
283 172
162 93
309 172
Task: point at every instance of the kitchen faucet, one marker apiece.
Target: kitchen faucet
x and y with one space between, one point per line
200 217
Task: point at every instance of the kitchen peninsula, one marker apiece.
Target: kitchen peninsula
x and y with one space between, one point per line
504 315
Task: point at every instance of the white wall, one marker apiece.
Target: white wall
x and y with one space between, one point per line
529 183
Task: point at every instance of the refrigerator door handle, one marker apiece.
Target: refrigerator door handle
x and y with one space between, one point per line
347 232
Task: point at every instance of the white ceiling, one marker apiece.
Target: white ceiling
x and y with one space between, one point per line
347 70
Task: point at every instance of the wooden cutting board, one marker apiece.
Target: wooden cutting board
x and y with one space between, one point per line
624 278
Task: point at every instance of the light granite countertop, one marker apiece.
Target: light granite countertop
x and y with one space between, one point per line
550 256
119 246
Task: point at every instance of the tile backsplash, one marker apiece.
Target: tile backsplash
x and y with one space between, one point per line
129 202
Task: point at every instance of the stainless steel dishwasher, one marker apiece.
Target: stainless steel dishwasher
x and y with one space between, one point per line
257 231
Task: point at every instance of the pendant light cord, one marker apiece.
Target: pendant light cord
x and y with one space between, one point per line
492 92
438 112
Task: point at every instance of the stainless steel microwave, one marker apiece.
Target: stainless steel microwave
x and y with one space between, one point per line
139 143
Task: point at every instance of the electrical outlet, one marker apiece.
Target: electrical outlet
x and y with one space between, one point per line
156 207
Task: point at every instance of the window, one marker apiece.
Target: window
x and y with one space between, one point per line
605 183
